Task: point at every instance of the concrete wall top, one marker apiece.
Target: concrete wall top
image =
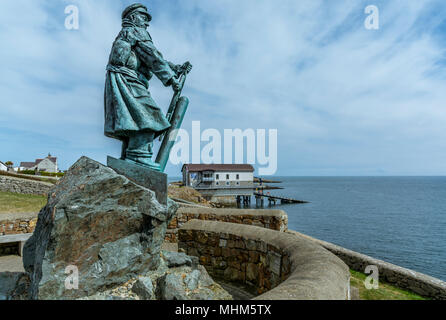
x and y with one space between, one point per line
17 216
24 180
236 212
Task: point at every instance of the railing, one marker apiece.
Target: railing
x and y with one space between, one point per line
222 186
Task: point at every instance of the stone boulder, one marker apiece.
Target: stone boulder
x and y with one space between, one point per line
184 280
98 225
189 283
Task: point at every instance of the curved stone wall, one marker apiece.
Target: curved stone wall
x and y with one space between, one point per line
269 219
278 265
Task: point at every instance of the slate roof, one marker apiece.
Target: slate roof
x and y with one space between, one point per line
27 164
52 159
32 164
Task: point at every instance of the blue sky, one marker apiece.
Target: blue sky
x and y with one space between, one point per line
345 100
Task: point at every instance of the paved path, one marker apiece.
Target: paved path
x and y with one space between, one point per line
16 216
237 292
11 264
173 247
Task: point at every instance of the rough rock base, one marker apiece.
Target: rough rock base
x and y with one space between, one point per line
99 227
179 277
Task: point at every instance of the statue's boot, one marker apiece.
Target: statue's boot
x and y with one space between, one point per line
139 150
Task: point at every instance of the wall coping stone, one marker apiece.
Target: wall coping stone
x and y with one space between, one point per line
235 212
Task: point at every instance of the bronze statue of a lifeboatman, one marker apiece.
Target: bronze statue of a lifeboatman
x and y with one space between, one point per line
131 115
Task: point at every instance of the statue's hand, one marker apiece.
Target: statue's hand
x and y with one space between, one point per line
175 84
187 67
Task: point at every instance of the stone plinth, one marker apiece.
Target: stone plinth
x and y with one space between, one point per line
151 179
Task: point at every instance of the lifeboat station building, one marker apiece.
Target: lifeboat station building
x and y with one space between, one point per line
221 181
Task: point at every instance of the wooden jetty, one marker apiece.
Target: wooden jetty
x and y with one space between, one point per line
262 180
267 187
273 200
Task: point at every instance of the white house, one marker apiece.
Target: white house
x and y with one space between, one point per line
48 164
3 167
220 180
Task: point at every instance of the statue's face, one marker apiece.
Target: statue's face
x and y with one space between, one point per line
141 20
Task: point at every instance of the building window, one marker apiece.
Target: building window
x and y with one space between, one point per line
228 183
238 177
217 183
238 183
217 177
227 177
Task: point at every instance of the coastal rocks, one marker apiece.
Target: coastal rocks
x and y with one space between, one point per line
8 282
189 283
143 287
99 230
175 259
183 282
14 286
171 287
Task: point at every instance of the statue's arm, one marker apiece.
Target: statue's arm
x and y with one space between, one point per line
151 57
177 68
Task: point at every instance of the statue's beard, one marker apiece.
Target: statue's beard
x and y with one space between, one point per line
142 25
132 23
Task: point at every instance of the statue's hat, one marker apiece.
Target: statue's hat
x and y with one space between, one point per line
138 7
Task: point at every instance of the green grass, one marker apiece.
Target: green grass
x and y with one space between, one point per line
384 292
20 203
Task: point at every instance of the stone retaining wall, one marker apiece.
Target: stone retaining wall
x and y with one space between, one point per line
269 219
277 265
15 224
24 186
402 278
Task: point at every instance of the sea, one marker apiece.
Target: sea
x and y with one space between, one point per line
401 220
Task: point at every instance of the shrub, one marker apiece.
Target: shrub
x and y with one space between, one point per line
52 174
30 172
9 174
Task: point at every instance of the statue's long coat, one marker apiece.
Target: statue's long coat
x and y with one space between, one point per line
129 107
